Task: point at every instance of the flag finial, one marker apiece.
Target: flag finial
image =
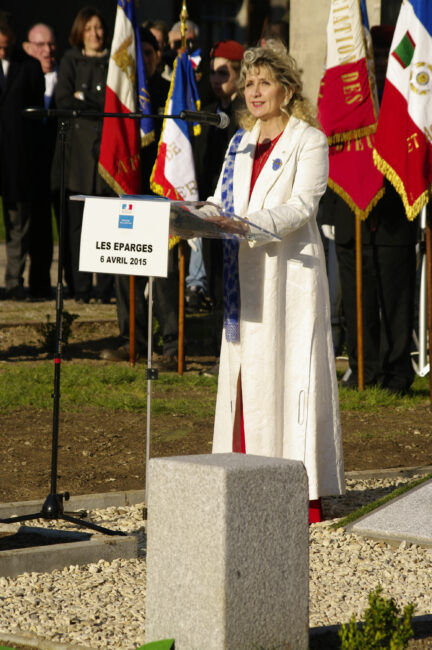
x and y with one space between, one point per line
183 27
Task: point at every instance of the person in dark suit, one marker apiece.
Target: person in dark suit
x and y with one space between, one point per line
209 152
21 86
389 272
41 44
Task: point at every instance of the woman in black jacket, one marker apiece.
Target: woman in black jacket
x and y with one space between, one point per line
81 86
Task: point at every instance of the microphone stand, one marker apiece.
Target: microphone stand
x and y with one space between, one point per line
52 507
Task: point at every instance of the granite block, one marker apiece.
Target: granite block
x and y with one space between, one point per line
227 552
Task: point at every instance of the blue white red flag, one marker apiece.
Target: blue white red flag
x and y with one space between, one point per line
122 138
347 107
173 174
195 58
403 144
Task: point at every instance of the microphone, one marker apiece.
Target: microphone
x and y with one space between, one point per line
37 112
220 120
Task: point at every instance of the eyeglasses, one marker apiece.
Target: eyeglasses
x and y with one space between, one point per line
40 45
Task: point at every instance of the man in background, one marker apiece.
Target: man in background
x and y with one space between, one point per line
22 86
388 270
41 44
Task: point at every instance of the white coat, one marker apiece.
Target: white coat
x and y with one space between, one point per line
285 352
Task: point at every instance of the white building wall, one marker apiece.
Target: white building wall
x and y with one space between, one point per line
308 24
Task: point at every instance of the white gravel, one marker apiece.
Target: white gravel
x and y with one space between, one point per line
103 605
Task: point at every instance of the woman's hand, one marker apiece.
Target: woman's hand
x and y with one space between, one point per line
229 224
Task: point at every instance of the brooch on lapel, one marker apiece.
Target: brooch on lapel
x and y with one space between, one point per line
277 162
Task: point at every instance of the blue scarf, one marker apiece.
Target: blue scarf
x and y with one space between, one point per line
230 250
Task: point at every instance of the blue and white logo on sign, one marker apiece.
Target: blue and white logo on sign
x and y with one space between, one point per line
126 221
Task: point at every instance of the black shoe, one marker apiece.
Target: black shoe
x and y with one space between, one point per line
119 354
41 297
16 293
213 371
395 386
165 363
393 390
351 382
197 301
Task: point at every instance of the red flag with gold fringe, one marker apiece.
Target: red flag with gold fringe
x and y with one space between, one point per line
347 107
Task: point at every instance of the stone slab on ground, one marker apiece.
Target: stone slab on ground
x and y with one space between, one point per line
227 552
77 502
30 641
407 518
42 559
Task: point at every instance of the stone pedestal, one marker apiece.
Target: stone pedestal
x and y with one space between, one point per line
227 552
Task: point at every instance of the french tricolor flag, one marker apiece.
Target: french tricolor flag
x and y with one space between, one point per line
173 174
122 138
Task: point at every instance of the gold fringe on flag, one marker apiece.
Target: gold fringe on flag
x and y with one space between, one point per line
388 171
362 214
110 180
337 138
197 127
147 138
174 241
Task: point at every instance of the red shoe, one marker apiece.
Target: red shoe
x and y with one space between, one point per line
315 511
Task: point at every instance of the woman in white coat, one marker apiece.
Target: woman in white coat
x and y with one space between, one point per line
277 391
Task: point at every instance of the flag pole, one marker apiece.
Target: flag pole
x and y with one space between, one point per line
182 243
132 320
429 285
359 298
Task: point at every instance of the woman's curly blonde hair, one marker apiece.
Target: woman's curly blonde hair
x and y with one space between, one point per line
281 66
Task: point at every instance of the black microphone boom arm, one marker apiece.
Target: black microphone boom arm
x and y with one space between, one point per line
220 120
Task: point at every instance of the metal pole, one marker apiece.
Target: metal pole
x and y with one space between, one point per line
359 296
429 284
52 504
423 329
132 320
180 361
149 380
180 366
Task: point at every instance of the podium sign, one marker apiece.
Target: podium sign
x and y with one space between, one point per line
125 236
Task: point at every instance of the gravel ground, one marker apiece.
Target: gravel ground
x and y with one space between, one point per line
103 605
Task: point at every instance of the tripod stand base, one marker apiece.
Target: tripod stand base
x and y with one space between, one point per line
53 505
53 509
